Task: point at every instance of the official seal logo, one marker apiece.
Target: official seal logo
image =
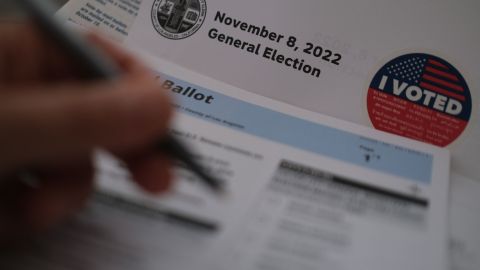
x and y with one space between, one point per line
178 19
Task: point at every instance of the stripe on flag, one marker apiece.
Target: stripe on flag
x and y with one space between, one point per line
438 78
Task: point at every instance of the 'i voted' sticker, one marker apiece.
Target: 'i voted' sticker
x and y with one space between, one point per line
420 96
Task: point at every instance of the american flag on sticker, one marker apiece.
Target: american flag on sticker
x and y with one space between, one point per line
431 74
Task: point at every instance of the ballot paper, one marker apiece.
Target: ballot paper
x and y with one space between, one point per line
118 233
305 191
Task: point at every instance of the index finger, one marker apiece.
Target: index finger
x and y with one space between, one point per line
125 60
27 56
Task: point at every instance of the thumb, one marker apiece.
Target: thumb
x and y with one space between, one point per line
66 122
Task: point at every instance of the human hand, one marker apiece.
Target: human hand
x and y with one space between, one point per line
51 120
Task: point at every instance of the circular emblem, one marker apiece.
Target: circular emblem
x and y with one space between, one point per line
178 19
420 96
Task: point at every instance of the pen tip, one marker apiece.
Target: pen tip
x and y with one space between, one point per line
218 188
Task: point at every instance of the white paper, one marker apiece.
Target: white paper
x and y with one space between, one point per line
366 33
464 223
113 18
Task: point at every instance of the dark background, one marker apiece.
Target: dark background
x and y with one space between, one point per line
8 9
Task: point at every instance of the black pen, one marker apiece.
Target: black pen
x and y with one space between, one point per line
98 66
